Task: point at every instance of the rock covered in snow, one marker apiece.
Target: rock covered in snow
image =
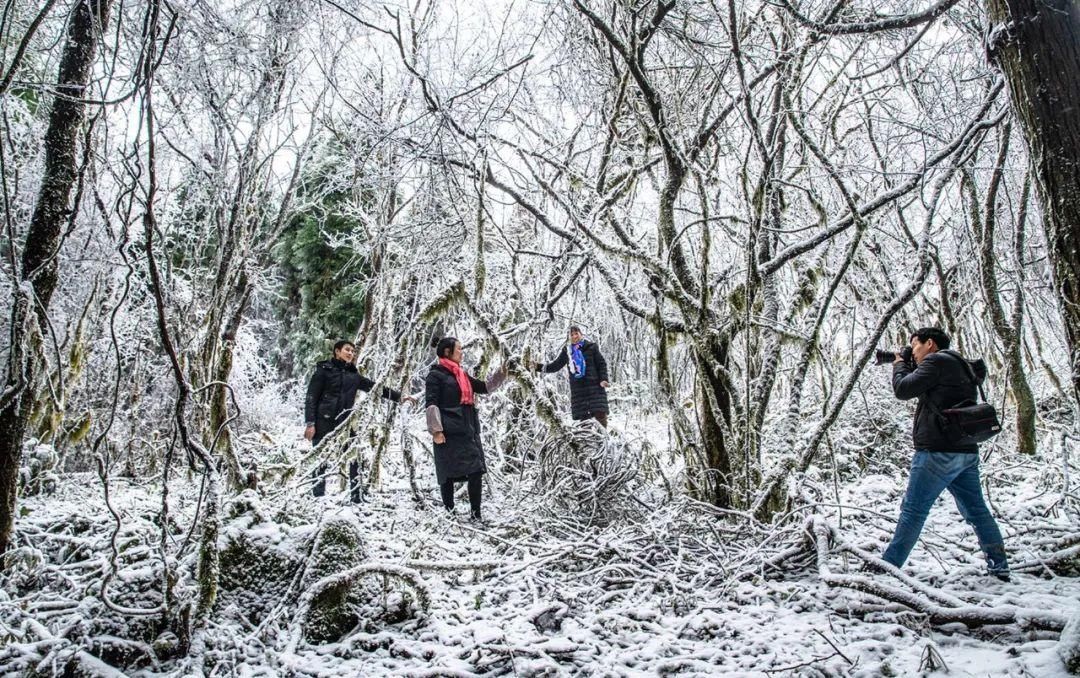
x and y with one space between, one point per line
339 546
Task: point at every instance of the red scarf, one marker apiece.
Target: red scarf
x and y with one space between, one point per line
462 380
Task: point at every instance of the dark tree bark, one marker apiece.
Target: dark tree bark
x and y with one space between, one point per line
1008 334
1036 43
43 240
714 404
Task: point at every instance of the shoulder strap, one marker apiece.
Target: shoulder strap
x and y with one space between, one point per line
967 371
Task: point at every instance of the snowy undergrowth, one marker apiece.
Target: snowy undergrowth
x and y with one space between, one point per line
674 587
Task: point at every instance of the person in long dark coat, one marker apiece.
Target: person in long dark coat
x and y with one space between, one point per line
454 424
588 374
330 397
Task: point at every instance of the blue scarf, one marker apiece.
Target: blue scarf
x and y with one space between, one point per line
577 361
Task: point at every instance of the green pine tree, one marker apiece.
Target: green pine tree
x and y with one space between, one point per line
323 291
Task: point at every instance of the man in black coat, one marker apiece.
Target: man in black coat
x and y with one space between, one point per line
588 374
330 397
940 379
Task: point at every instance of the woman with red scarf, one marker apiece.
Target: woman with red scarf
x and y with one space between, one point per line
454 424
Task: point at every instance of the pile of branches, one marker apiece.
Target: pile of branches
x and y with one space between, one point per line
678 549
589 474
79 591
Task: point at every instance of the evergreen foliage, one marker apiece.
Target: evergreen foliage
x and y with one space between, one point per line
323 266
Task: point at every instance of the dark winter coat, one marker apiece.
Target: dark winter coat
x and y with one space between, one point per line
587 396
463 453
941 379
332 392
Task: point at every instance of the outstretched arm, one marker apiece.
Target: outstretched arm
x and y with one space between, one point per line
557 364
491 384
390 394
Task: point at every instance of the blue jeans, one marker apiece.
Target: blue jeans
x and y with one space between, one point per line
958 472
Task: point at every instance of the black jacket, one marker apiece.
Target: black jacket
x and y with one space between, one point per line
332 392
941 379
587 396
462 454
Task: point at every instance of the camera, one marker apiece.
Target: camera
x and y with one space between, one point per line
885 357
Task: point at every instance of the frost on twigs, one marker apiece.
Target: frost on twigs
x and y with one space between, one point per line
588 473
36 474
71 624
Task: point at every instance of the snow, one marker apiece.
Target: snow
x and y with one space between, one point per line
619 610
646 580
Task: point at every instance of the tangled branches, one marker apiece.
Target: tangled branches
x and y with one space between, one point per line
588 473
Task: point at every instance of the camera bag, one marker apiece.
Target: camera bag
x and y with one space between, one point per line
969 422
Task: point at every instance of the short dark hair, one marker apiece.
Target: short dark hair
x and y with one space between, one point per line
936 333
342 343
575 328
445 344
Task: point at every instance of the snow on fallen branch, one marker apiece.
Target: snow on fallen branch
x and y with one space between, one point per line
588 473
347 579
821 541
452 566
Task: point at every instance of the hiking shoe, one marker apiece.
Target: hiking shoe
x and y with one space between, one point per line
868 567
997 563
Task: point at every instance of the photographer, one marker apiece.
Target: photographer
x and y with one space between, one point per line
940 379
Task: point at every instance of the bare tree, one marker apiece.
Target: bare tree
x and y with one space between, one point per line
1009 331
1037 46
29 315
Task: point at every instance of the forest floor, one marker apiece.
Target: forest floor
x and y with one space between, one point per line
667 587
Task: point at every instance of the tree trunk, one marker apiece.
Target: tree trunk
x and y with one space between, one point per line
1037 45
39 260
1009 336
219 437
714 418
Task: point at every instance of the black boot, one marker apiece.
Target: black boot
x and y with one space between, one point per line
997 563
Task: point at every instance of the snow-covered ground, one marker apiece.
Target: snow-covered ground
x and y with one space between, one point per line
671 587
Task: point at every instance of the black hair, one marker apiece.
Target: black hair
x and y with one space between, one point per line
445 344
936 333
575 328
342 343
